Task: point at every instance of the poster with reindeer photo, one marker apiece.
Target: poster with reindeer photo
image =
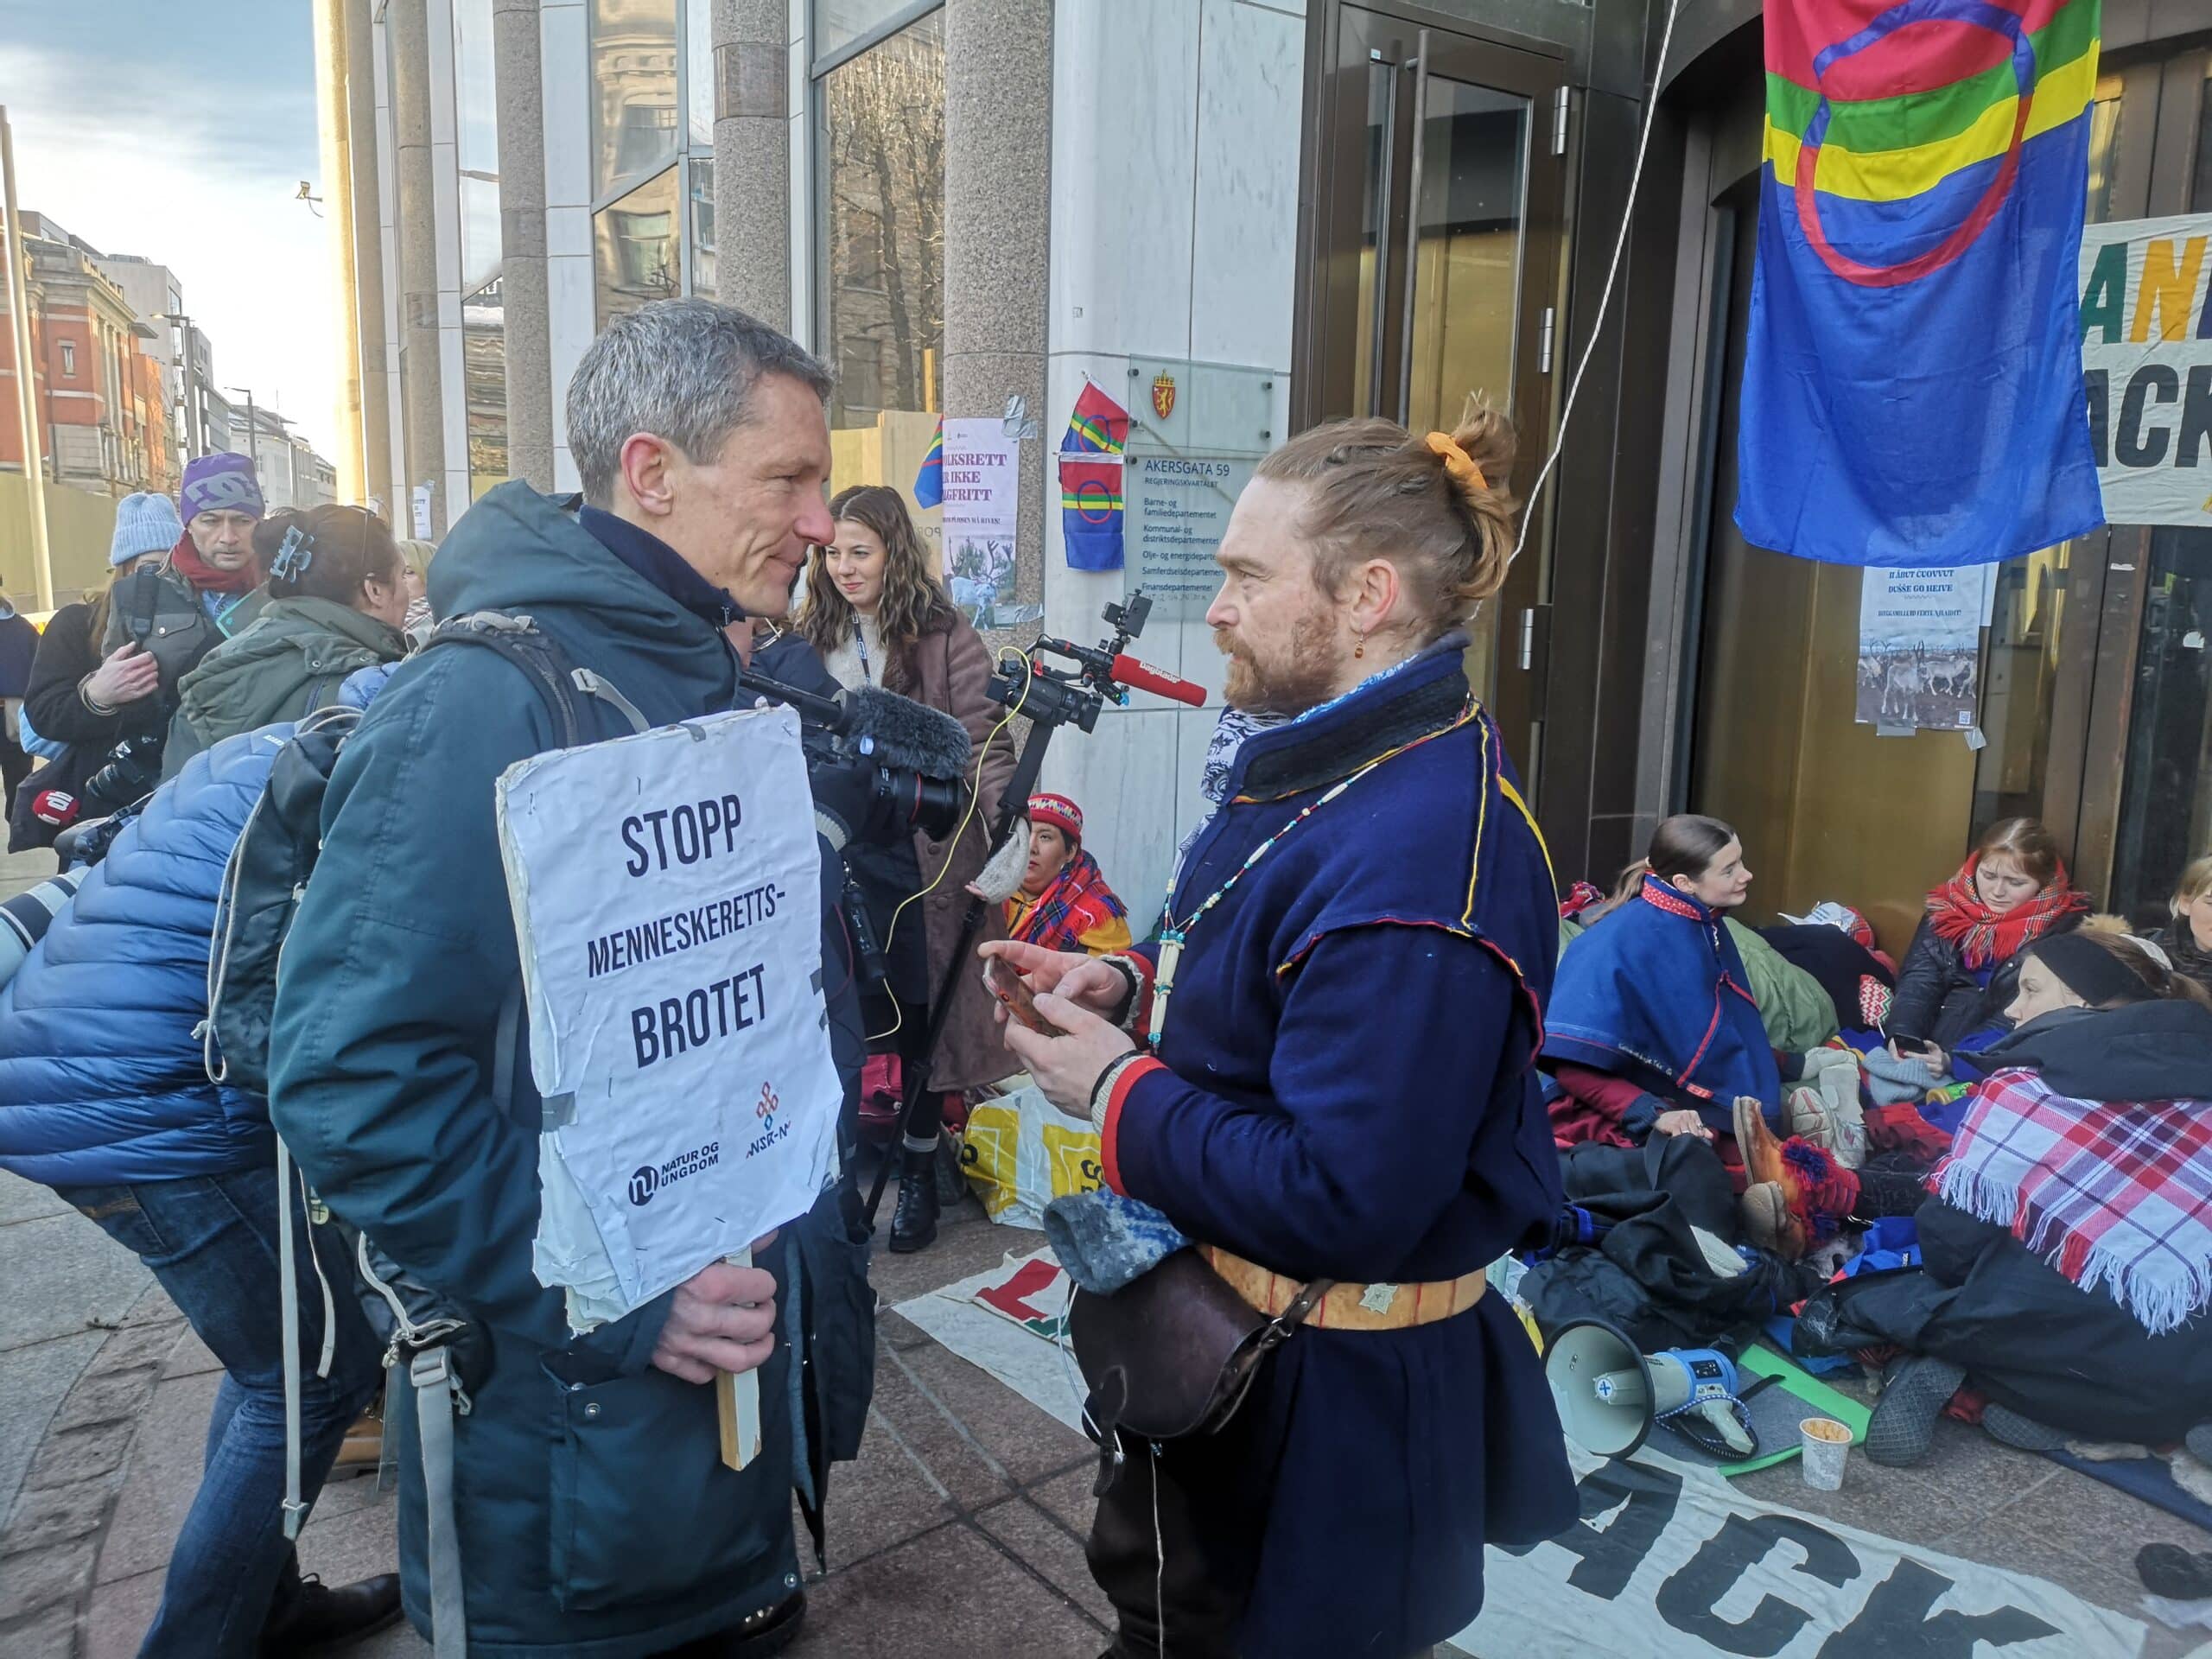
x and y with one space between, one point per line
1920 647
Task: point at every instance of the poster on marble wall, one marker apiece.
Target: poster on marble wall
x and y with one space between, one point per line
1178 509
982 506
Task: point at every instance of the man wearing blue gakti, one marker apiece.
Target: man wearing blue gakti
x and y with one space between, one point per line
1322 1072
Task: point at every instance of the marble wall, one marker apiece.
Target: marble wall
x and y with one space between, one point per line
1175 148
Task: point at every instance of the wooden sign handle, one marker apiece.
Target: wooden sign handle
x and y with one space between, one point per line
737 1402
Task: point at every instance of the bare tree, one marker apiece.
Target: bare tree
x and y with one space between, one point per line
886 115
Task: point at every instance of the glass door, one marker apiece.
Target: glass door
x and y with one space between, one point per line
1432 275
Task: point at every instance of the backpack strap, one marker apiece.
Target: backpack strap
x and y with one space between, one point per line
532 649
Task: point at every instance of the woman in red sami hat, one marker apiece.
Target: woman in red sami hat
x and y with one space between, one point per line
1064 903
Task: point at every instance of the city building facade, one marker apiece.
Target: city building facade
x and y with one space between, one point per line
103 424
1241 217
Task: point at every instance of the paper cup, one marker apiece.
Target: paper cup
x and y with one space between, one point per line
1827 1442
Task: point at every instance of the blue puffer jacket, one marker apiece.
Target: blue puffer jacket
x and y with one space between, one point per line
101 1078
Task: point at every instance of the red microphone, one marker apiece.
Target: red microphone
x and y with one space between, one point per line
1129 672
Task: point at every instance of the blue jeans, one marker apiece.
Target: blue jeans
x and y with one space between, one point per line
212 1243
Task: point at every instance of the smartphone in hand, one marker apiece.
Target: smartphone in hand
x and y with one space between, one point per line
1021 1001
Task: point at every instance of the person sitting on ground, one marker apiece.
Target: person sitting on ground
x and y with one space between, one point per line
2066 1260
1962 969
86 699
2186 938
1064 903
337 596
1653 1029
878 617
105 1096
1795 1009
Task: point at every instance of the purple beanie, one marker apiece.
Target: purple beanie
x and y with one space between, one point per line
220 483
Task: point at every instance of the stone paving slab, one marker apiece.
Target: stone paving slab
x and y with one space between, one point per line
959 1530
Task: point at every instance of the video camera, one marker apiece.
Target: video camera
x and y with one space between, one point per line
903 761
1102 673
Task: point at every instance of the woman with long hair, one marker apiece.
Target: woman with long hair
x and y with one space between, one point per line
877 616
1962 969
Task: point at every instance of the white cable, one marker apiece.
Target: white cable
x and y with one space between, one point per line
1605 294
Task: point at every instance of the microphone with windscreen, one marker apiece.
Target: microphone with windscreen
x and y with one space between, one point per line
890 765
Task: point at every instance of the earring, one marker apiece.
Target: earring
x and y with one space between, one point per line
1359 643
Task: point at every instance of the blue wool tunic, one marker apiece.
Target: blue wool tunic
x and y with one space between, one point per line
1656 992
1345 1090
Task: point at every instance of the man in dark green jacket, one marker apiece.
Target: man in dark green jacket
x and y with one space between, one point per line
593 1514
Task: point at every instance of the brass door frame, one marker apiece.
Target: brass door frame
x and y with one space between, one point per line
1346 42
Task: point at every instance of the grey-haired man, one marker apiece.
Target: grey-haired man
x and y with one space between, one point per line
594 1513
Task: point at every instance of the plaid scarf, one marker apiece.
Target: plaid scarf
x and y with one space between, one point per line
2116 1194
1080 884
1984 937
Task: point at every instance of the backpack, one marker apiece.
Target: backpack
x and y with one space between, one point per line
276 852
442 1353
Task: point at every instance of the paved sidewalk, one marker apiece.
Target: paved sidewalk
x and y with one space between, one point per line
958 1532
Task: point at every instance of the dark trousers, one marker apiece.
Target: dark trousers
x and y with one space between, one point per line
15 766
212 1243
1175 1542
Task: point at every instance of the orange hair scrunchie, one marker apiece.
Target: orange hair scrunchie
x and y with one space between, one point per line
1457 461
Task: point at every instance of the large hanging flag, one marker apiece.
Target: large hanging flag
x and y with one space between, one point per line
1912 387
1099 426
1090 513
929 482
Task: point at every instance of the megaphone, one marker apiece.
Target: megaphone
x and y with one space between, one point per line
1609 1395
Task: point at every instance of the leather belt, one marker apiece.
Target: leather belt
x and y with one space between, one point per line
1349 1307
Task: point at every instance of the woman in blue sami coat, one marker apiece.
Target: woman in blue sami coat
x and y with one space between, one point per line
1324 1072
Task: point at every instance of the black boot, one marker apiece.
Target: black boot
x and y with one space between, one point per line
320 1619
913 1223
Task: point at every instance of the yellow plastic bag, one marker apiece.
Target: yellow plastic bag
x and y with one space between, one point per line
1021 1152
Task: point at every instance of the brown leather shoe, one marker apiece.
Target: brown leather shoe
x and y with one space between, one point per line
1756 1143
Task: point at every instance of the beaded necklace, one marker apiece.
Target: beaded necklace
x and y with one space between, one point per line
1173 936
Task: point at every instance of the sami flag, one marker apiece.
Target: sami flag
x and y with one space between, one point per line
1912 386
1090 513
1099 426
929 482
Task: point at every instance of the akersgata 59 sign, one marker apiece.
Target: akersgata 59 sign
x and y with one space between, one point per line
2147 362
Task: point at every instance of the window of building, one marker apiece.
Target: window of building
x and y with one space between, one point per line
69 358
2104 145
634 53
635 242
484 378
703 225
879 230
839 23
652 66
476 97
2200 194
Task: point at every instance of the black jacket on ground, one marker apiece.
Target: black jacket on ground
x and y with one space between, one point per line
1937 1001
65 656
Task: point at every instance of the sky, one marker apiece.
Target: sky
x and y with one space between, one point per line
181 129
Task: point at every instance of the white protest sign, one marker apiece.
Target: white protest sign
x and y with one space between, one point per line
666 893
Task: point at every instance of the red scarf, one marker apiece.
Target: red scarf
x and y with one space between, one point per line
1985 937
185 560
